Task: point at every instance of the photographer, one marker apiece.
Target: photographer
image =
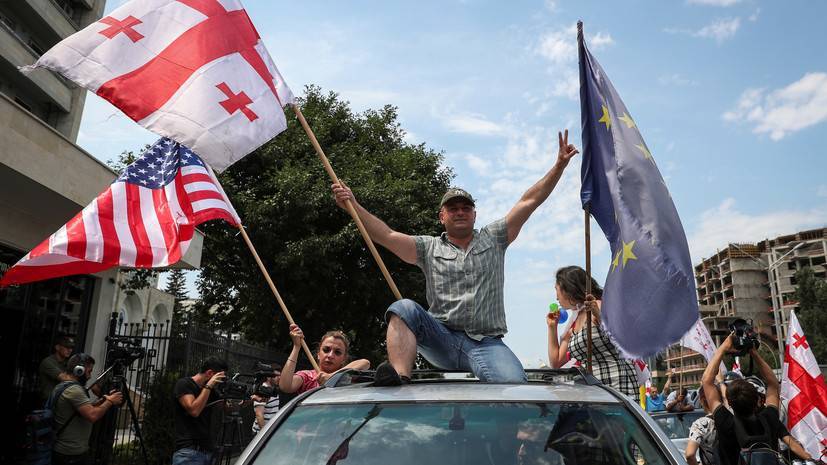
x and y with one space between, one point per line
75 412
266 399
193 445
747 425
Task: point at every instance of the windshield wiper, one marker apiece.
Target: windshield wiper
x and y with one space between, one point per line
341 452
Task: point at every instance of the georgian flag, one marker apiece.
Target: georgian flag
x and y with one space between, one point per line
804 390
195 71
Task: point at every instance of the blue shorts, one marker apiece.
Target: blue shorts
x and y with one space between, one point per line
490 359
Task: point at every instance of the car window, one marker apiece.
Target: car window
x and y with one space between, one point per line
461 433
676 426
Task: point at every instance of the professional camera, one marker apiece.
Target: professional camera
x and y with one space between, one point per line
233 388
745 337
262 371
124 350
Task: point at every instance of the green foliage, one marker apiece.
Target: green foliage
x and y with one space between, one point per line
158 425
312 249
126 158
176 285
135 279
811 294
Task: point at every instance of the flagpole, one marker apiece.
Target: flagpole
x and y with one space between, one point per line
350 208
278 296
588 289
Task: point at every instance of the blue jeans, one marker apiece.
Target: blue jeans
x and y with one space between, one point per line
188 456
489 359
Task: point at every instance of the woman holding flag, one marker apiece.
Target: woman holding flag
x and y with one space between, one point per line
608 365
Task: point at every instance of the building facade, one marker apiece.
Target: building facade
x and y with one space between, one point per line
45 179
754 282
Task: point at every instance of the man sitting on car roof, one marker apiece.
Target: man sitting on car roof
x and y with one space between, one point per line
464 275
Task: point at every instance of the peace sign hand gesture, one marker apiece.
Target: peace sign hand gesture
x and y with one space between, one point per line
567 151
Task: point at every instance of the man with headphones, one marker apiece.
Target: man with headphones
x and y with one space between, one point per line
75 412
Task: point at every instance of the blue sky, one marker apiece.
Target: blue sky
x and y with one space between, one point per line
730 96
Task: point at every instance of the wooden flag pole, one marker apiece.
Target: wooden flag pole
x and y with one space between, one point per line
350 208
588 289
278 296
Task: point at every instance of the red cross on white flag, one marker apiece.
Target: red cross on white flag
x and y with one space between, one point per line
195 71
804 390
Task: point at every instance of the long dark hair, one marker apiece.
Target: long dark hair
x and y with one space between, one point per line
572 281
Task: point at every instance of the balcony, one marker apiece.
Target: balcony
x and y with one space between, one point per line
40 82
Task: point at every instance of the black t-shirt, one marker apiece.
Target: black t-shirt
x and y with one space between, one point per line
191 431
725 426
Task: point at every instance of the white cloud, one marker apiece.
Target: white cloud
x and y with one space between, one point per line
551 5
720 29
479 165
723 224
473 124
600 40
567 86
797 106
713 2
754 17
676 80
560 46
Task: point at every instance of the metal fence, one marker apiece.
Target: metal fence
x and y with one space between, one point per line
138 355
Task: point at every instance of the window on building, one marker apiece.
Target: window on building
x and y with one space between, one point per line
36 47
23 104
5 19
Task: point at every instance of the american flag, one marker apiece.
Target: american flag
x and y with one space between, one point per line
145 219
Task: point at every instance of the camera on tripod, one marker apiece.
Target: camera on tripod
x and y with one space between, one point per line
124 351
241 386
744 338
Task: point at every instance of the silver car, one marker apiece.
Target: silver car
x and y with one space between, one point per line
559 417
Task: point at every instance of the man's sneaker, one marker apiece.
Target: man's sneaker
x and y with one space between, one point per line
386 375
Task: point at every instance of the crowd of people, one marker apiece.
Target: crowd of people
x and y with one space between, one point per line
462 329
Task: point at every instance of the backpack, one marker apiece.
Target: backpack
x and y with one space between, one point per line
40 428
756 449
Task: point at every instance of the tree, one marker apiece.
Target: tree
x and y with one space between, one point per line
811 294
312 249
177 288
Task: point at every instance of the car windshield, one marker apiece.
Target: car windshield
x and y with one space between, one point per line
676 426
461 433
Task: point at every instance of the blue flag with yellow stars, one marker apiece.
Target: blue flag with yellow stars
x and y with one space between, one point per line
649 296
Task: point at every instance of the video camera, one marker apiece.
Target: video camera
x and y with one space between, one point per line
124 350
745 338
236 388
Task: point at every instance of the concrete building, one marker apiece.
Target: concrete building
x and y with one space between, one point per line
750 281
45 179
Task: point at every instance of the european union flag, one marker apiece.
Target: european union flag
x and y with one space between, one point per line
649 297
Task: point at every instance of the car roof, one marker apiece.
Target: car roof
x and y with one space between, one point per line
461 391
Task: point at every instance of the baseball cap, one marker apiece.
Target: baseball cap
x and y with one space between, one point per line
454 193
66 341
758 383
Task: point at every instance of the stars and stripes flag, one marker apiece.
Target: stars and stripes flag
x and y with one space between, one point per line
195 71
145 219
804 389
649 299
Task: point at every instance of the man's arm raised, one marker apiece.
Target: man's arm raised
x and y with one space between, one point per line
539 192
402 245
